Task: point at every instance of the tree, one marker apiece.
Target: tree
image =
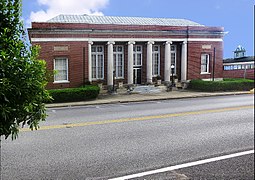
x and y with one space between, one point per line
22 76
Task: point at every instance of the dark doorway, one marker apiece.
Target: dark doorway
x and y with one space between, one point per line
137 76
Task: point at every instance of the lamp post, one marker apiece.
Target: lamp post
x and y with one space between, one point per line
113 88
172 70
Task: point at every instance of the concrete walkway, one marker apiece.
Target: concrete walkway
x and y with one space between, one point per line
137 97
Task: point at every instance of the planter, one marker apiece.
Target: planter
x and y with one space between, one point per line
120 84
100 85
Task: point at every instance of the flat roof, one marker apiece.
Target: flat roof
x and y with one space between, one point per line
242 59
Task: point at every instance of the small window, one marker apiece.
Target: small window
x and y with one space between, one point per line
155 48
120 49
155 60
118 60
99 49
97 61
173 48
137 55
225 67
205 59
173 57
93 49
138 48
248 66
61 68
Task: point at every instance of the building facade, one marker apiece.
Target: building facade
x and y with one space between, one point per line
241 66
128 50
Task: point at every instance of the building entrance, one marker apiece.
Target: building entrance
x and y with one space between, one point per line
137 75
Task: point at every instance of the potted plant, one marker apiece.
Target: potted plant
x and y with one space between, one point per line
100 83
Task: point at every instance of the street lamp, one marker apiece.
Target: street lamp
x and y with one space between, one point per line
172 70
114 77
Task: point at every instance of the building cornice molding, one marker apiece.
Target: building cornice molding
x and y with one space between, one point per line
128 32
238 63
127 39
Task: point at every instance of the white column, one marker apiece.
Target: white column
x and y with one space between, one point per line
90 43
149 61
184 62
130 62
167 61
110 63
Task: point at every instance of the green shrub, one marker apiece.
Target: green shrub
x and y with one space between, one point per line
238 79
74 94
225 85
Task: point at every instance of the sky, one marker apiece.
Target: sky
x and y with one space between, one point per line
236 16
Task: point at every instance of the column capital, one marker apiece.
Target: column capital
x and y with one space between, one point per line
184 42
90 42
110 42
131 42
150 42
168 42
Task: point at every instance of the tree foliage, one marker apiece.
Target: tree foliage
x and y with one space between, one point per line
22 76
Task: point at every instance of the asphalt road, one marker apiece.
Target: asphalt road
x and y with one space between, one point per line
107 141
235 168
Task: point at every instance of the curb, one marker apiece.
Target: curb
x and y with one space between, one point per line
88 103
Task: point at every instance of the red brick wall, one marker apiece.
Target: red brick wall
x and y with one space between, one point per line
77 69
194 60
78 51
239 73
77 55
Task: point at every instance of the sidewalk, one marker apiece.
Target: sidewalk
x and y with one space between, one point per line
125 98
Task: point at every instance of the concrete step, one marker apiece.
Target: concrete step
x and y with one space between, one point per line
147 89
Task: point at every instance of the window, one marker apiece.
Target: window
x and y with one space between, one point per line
173 57
205 63
118 59
97 58
61 68
239 66
226 68
155 60
137 50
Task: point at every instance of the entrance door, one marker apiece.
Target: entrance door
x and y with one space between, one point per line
137 76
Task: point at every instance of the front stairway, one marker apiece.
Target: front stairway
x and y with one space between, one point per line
145 89
148 89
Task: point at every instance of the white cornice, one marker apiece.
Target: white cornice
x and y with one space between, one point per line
238 63
126 39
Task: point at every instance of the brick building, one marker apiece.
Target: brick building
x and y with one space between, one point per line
241 66
128 50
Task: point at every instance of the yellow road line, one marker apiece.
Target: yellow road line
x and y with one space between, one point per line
138 118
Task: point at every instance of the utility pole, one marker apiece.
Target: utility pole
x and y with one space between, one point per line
214 52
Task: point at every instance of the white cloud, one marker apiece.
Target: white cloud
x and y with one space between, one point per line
56 7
